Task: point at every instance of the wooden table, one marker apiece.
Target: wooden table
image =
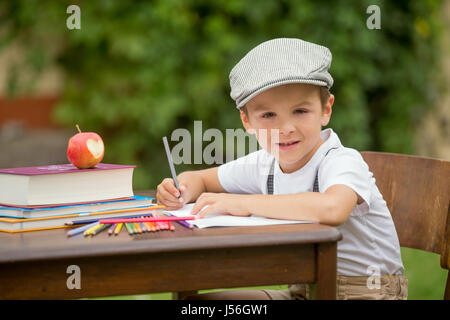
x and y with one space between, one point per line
34 265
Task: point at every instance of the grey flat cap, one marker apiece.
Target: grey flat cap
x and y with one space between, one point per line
276 62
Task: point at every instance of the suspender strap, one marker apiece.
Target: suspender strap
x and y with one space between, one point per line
270 177
316 182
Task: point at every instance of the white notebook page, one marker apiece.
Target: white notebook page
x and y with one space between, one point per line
226 220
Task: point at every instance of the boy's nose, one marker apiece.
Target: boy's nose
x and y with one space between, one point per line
287 128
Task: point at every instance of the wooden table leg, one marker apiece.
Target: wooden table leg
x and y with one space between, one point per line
326 271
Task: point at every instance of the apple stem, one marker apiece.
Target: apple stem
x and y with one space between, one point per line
78 128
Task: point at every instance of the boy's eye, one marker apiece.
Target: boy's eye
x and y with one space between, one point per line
268 115
300 111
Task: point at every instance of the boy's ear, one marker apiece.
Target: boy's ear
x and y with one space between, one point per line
246 123
327 110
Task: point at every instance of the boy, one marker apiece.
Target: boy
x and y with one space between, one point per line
302 172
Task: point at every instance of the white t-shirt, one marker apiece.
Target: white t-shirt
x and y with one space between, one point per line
370 244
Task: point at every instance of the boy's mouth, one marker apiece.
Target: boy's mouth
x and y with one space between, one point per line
287 145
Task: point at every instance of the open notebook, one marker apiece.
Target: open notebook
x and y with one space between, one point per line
226 220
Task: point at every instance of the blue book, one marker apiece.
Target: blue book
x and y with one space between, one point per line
81 209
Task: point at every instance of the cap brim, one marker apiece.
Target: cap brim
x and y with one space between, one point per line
279 83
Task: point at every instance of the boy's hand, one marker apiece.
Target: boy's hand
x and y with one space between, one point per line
168 195
233 204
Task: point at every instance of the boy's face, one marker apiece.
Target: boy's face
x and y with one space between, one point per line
296 113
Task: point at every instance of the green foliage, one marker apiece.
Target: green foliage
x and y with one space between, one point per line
137 70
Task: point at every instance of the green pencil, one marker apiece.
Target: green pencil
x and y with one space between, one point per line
133 228
130 231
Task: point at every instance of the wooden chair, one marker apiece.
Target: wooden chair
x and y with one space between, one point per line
417 192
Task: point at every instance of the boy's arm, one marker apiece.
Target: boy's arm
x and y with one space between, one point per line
331 207
200 181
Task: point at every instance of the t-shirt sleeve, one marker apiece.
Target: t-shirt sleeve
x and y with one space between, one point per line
241 175
347 168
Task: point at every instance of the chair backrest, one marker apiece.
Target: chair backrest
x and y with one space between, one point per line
417 192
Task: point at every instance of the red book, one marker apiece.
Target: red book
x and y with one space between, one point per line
64 183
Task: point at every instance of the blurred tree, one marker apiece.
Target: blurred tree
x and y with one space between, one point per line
137 70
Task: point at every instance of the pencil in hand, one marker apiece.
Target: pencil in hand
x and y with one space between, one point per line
172 168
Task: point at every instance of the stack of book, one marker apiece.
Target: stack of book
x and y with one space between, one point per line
47 197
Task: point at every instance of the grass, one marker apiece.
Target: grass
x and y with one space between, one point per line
426 279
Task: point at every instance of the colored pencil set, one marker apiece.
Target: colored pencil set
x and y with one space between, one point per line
133 225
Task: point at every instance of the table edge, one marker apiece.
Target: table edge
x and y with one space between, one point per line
162 245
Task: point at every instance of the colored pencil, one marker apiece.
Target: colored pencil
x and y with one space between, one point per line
144 226
147 219
153 207
98 230
118 229
87 221
148 226
129 229
165 223
89 231
172 168
130 225
111 229
137 227
183 223
152 226
80 229
159 223
133 230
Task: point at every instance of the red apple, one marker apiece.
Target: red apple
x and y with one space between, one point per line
85 149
